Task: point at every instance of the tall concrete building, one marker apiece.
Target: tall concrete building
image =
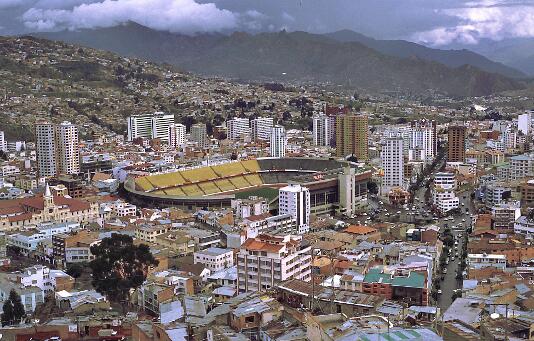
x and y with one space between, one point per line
295 200
323 130
423 137
3 142
68 148
57 149
524 122
199 135
352 191
456 141
352 136
45 145
278 141
237 128
176 135
265 261
261 128
152 126
393 163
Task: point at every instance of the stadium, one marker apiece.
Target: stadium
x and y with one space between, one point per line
215 186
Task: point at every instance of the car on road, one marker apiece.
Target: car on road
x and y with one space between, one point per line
440 292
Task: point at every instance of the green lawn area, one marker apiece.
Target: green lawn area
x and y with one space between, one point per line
267 192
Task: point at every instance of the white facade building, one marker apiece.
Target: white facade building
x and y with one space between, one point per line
295 200
483 260
323 130
199 135
155 126
238 128
266 260
3 142
214 258
524 122
261 128
68 150
423 137
176 136
443 195
393 163
45 145
278 142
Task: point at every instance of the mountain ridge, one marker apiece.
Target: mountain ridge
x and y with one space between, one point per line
290 56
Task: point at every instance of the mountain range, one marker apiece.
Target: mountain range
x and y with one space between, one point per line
342 57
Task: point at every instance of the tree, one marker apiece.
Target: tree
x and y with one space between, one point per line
8 317
352 158
13 309
119 266
75 270
18 307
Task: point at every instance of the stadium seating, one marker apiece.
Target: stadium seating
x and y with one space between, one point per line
229 169
177 191
192 190
166 180
209 187
251 166
254 179
225 185
143 184
199 174
239 182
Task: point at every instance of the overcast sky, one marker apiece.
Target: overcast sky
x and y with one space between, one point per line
434 22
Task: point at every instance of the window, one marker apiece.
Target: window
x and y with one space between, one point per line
249 319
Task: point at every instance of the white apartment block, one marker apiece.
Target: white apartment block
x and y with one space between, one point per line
265 261
199 135
423 136
214 258
524 122
176 136
3 142
68 152
521 166
523 225
261 128
238 128
244 208
323 130
255 225
278 142
295 200
42 277
443 195
154 126
45 145
393 164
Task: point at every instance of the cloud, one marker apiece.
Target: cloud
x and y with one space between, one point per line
184 16
4 4
491 19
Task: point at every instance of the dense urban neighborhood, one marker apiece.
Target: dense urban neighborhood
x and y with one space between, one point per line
140 202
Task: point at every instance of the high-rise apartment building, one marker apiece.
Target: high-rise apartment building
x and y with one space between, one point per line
393 163
45 145
57 149
352 135
237 128
265 261
456 141
176 135
3 142
524 122
67 147
153 126
423 137
323 130
295 200
199 135
278 141
261 128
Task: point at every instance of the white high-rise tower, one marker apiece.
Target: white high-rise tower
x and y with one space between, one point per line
278 141
393 163
45 144
295 200
67 146
176 135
